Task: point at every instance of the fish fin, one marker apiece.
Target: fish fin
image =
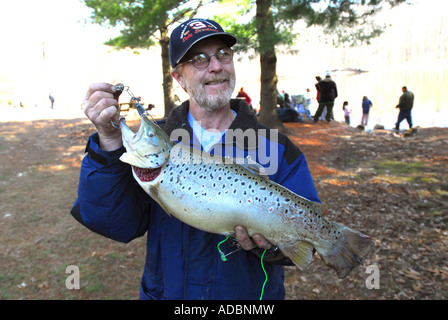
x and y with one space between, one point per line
301 254
255 168
349 252
126 157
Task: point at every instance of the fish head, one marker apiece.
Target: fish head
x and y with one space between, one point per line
147 150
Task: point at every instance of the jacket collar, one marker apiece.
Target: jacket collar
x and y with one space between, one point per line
245 119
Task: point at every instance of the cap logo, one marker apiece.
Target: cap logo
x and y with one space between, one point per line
198 26
190 32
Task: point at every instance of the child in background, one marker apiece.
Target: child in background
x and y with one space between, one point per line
347 112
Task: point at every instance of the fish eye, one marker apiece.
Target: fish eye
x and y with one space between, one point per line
151 134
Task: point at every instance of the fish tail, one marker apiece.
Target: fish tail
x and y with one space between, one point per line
349 252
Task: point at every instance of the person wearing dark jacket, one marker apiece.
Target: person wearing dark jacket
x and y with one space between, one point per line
405 104
328 92
183 262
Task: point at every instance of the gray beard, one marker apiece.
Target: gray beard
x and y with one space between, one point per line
211 103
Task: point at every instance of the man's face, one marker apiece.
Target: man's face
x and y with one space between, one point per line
212 87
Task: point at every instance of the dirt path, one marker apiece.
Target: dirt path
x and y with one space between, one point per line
392 188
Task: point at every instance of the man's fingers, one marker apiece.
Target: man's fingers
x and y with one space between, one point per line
248 243
108 114
101 108
94 87
98 105
261 241
243 238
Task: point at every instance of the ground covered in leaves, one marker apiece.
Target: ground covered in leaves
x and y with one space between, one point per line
391 187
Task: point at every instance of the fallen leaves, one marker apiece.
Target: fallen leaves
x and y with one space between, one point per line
393 189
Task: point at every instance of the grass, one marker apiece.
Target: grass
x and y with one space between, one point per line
401 167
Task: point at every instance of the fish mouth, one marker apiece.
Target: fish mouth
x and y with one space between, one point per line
147 174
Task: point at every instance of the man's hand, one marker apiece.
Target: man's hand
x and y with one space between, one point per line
101 108
248 243
257 245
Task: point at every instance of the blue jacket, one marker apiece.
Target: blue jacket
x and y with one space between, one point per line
183 262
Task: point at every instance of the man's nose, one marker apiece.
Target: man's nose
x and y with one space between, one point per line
215 65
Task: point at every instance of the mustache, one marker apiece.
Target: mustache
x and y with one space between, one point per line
220 77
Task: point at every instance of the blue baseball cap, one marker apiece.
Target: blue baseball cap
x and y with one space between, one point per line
191 32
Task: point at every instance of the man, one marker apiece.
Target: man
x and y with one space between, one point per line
51 100
183 262
328 92
405 105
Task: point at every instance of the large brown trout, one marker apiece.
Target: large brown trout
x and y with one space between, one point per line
215 195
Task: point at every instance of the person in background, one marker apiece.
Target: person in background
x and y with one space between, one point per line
328 93
366 105
319 79
51 100
243 94
308 99
347 112
405 104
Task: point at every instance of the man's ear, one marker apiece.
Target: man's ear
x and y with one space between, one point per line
179 78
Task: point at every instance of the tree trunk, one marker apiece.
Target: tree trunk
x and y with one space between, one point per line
166 70
268 66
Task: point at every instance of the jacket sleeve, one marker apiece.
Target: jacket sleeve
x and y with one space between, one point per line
294 174
110 202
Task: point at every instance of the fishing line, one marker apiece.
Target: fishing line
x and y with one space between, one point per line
265 274
136 101
223 258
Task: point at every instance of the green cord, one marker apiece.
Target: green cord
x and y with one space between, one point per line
266 275
223 258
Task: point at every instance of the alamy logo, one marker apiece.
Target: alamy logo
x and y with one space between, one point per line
373 281
73 280
250 144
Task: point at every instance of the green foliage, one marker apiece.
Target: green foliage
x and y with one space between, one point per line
140 21
344 21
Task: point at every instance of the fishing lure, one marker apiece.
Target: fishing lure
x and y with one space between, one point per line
120 88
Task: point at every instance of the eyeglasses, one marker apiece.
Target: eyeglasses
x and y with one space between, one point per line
202 60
